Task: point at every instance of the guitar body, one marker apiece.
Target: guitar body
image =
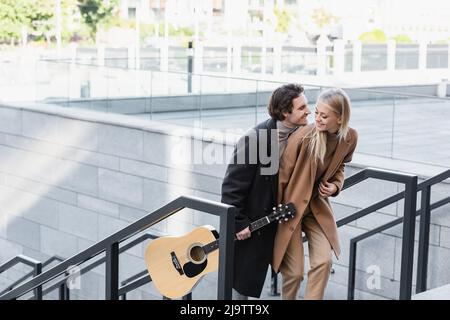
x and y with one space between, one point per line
176 264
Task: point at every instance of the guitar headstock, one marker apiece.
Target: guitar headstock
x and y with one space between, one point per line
283 212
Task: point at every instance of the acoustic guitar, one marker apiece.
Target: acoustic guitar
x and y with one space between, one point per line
176 264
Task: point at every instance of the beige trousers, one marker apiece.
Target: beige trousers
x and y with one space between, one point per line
292 266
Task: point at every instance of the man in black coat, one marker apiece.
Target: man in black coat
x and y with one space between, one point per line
251 185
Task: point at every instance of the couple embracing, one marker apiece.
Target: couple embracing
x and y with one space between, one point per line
311 160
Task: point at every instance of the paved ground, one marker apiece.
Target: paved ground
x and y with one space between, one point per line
415 129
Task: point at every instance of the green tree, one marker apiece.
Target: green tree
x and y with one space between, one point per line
323 18
12 18
283 20
402 38
34 15
374 36
96 12
40 18
72 26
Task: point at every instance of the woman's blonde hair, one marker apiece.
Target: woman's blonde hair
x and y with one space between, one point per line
338 101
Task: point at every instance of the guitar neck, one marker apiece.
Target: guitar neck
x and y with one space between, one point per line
255 225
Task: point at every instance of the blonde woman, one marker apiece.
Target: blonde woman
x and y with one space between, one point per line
311 170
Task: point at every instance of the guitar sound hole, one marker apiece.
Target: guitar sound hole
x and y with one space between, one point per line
197 254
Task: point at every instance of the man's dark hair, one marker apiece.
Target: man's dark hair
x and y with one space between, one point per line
281 100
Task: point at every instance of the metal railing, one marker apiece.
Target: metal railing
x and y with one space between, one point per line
30 274
410 195
127 285
35 264
410 182
424 233
110 246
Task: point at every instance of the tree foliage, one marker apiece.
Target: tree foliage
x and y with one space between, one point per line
37 17
402 38
283 20
13 16
323 18
374 36
96 12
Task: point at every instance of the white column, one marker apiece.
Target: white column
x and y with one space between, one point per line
228 26
131 54
198 57
423 55
442 88
24 36
164 57
339 56
124 9
448 52
277 48
144 5
137 41
357 52
229 55
237 48
73 52
263 56
321 44
74 73
58 26
391 50
100 55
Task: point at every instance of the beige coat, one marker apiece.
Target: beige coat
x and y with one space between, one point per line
296 184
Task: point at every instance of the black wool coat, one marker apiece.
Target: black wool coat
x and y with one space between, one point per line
254 195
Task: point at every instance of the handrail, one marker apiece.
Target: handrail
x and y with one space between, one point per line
30 274
359 177
425 211
18 259
65 295
129 284
110 245
35 264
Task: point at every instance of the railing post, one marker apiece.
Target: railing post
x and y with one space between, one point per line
274 284
188 296
424 240
112 272
62 292
351 271
409 223
38 290
226 255
190 65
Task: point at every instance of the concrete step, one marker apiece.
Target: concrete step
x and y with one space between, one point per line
439 293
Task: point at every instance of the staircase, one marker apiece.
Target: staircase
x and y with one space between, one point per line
112 246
